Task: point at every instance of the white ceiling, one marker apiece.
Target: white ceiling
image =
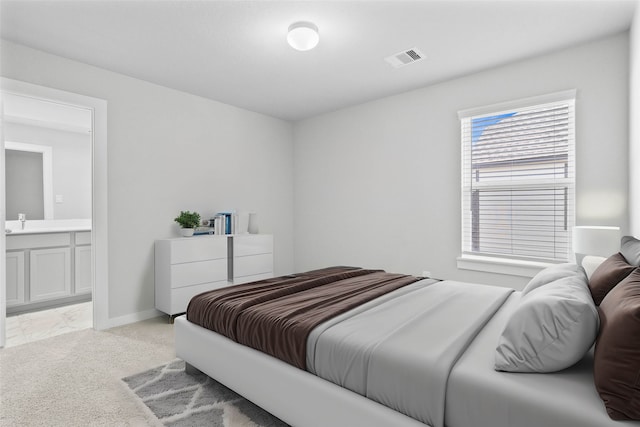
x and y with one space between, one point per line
236 52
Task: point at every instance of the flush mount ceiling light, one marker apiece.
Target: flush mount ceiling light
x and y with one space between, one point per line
303 36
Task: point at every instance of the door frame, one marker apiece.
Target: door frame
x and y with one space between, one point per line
99 223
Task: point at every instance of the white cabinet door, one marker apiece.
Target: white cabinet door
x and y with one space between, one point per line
83 269
15 278
50 273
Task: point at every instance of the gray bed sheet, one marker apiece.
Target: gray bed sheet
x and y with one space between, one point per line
399 351
477 395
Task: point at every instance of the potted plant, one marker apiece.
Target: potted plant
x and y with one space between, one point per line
188 221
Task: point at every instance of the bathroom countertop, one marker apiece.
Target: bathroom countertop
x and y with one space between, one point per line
47 226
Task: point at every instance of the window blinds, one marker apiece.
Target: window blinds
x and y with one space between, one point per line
518 179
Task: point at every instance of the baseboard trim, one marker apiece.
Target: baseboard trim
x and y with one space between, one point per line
132 318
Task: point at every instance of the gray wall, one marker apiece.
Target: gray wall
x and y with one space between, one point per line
378 185
71 158
24 190
634 127
375 185
171 151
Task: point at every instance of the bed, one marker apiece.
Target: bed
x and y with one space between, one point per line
423 353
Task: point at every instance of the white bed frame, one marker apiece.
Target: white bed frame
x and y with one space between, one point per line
295 396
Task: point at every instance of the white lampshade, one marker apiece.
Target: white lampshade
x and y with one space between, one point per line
597 241
303 36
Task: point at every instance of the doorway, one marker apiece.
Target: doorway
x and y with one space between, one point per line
87 251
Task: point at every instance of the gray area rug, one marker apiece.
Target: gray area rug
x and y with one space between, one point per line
178 399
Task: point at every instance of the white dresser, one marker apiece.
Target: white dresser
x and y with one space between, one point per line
252 256
187 266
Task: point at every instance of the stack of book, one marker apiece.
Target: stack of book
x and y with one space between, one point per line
203 230
224 223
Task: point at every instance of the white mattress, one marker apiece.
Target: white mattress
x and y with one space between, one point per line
500 399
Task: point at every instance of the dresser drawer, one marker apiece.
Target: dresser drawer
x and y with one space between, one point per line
198 248
194 273
252 244
180 297
251 265
252 278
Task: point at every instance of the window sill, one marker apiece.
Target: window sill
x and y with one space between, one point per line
500 265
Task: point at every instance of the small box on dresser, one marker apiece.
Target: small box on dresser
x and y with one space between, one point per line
187 266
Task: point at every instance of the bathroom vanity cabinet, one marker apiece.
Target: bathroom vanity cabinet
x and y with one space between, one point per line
47 270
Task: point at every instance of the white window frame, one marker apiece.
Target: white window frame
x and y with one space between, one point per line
506 264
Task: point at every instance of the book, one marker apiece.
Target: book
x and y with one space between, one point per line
229 220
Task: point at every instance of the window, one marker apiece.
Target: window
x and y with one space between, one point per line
518 179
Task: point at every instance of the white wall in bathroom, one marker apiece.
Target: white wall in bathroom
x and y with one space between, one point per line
71 166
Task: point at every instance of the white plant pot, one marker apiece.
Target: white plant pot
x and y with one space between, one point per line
187 232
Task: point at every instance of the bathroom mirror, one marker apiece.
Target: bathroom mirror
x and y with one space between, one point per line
28 181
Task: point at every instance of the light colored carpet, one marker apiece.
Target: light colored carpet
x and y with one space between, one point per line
179 399
75 379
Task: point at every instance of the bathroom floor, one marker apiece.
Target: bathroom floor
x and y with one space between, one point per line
24 328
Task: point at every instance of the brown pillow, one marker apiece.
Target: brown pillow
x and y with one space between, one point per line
616 364
607 275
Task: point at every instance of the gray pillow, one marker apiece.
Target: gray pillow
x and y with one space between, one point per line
590 263
553 273
551 329
630 250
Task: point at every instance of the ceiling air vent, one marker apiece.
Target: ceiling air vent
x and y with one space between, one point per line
404 58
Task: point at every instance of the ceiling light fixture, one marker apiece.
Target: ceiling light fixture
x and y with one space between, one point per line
303 36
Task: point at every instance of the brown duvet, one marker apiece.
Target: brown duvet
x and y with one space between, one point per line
276 315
